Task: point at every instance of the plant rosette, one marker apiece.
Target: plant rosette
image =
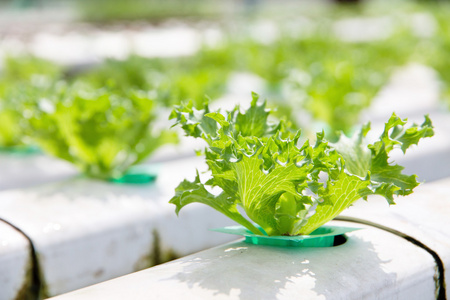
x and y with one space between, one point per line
102 133
288 189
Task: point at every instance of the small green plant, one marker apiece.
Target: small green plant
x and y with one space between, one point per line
284 188
100 132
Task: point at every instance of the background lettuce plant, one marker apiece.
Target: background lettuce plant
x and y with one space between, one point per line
100 132
285 188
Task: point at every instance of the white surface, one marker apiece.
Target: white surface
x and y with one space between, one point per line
423 24
67 49
363 29
83 46
412 91
14 261
17 171
372 264
111 44
367 29
88 231
423 215
171 42
242 84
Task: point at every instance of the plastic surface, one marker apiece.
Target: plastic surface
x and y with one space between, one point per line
140 174
321 237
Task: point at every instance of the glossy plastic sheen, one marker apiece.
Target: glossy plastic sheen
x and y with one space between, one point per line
321 237
20 150
137 175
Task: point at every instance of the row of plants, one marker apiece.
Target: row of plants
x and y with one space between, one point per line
318 73
288 185
163 10
101 120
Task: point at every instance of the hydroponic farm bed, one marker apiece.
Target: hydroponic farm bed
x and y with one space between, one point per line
116 128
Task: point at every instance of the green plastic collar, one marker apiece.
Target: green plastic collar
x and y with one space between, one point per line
20 150
321 237
141 174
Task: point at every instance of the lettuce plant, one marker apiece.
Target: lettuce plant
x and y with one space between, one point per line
285 188
100 132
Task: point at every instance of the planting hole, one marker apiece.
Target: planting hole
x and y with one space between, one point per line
339 240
